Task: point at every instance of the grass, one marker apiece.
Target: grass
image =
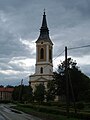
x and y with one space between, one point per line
43 115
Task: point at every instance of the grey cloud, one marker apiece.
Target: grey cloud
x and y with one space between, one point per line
10 46
85 69
4 66
68 22
81 6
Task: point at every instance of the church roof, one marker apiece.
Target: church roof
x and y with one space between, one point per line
44 32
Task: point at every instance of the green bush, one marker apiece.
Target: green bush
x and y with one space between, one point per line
47 104
88 104
80 105
5 101
53 111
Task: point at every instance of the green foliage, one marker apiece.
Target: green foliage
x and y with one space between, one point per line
56 87
59 81
5 101
15 94
22 93
80 105
53 111
9 86
1 86
50 93
27 94
39 93
79 83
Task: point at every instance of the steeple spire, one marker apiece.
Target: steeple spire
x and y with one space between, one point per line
44 10
44 32
44 22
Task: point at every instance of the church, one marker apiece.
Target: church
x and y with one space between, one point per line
44 53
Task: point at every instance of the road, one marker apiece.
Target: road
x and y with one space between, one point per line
6 113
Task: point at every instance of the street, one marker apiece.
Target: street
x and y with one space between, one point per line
6 113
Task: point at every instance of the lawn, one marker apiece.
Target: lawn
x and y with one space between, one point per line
41 112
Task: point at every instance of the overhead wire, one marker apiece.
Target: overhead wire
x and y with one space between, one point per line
59 55
56 57
78 47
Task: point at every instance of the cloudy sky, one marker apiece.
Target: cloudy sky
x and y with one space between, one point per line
20 21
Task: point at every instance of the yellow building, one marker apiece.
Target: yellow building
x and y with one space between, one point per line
44 52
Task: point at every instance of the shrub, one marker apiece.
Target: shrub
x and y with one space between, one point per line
80 105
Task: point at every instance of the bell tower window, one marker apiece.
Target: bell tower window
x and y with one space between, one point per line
50 55
41 70
42 53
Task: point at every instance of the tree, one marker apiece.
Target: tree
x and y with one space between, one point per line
79 83
39 93
9 86
27 94
15 94
56 87
1 86
22 93
50 93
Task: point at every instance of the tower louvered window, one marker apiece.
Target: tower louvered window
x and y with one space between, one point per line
50 55
41 70
42 53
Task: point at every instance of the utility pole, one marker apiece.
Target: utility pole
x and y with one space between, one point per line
73 95
67 83
20 93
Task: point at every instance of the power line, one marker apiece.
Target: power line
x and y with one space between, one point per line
55 68
56 57
78 47
59 55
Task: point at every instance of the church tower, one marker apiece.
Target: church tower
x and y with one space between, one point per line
44 51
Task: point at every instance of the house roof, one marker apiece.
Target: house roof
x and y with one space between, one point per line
5 89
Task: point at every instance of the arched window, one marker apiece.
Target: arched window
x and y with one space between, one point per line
42 53
41 70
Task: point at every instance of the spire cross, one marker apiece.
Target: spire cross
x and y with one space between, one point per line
44 11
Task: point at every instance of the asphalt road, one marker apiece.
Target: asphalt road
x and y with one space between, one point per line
2 118
6 113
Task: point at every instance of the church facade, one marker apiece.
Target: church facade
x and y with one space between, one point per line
44 53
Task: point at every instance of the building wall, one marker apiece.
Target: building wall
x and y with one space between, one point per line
38 79
6 93
45 63
47 69
46 46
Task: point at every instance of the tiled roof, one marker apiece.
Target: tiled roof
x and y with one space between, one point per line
3 89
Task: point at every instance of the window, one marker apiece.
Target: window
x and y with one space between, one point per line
41 70
50 54
42 53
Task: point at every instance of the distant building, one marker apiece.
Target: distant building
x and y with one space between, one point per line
44 53
6 93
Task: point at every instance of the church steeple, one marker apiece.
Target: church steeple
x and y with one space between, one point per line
44 22
44 32
44 54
